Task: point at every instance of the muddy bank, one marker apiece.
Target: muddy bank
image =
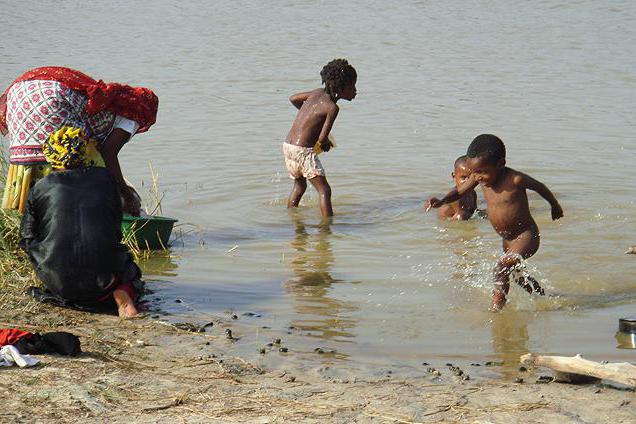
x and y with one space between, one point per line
143 371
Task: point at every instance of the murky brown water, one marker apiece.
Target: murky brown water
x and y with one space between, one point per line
386 285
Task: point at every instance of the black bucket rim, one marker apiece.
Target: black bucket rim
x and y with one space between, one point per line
627 325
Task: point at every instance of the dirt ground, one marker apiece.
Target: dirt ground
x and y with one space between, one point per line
142 371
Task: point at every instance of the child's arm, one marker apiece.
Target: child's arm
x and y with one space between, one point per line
530 183
323 138
468 207
452 195
299 98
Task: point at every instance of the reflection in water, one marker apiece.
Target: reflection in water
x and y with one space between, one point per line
510 338
321 316
509 328
159 264
467 246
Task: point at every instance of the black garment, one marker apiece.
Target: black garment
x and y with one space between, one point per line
71 229
61 343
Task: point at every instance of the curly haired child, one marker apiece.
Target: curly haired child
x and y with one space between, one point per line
310 131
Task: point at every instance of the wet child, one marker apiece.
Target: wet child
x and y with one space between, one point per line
464 207
508 210
71 231
317 112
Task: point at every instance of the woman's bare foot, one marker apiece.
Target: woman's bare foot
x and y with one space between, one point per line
125 305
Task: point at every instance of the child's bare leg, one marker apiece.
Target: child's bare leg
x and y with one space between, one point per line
504 266
536 287
300 185
522 247
525 284
324 191
530 285
125 305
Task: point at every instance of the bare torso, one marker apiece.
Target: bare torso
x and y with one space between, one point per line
508 208
310 119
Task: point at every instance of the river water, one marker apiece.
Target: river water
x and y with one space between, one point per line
385 285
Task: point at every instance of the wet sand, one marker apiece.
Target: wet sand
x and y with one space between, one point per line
144 371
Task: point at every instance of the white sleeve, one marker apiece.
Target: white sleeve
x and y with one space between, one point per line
126 124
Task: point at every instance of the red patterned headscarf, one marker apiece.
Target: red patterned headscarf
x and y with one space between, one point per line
136 103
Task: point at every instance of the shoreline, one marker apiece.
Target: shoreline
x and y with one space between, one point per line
141 371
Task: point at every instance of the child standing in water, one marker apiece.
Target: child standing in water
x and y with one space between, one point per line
464 207
508 210
317 112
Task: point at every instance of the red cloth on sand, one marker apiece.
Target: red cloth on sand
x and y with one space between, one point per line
136 103
9 336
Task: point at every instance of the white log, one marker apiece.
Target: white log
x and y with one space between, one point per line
620 372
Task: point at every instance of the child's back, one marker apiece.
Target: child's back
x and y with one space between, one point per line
310 119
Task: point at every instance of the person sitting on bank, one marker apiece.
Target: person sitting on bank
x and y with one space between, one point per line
71 230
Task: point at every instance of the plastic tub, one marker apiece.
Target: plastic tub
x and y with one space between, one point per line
149 232
626 335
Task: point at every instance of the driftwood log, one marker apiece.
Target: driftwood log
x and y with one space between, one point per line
572 368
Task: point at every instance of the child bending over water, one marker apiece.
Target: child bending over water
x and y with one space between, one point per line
71 230
508 210
464 207
316 115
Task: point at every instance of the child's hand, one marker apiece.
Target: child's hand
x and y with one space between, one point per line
131 202
557 212
433 202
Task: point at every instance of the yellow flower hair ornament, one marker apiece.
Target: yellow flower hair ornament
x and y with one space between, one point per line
66 148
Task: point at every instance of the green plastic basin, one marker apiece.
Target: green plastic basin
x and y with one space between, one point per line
149 232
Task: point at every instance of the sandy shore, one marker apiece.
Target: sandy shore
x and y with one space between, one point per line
143 371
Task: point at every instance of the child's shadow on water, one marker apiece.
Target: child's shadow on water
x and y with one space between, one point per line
320 315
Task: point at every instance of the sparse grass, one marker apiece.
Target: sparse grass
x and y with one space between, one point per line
138 252
16 273
154 196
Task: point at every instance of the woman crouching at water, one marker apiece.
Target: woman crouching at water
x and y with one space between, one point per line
43 100
71 230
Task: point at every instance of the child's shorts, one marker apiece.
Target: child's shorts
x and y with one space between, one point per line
302 162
